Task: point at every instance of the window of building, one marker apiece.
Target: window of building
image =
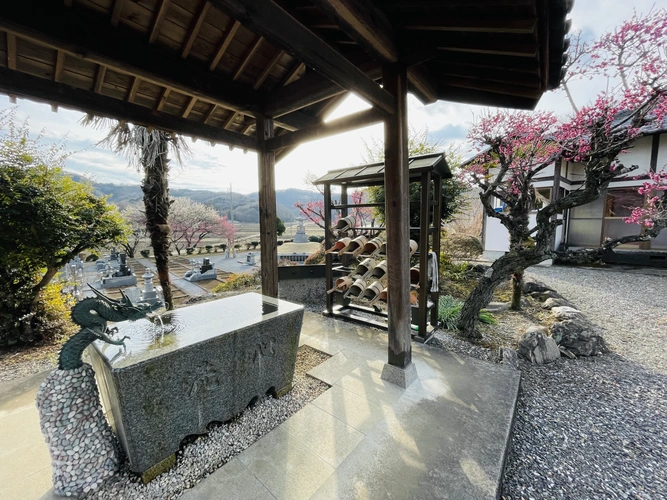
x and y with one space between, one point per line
542 197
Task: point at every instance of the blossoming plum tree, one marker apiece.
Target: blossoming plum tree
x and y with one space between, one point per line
515 147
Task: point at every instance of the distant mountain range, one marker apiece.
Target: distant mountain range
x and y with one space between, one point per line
246 206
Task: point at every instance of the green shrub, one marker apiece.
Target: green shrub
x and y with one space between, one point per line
92 258
145 253
313 238
240 281
223 247
254 244
208 248
279 242
449 310
190 250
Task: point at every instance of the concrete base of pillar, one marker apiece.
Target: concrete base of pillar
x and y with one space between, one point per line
402 377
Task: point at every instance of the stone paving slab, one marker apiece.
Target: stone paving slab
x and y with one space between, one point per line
445 436
336 367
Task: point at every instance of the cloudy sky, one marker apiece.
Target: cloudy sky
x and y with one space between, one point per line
215 168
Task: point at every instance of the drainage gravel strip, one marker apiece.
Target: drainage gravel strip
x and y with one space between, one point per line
597 427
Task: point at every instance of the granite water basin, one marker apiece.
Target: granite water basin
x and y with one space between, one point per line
204 363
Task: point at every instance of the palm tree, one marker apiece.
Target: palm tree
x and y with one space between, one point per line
148 150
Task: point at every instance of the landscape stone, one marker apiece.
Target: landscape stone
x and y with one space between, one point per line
531 285
207 363
538 348
566 312
402 377
550 303
546 295
497 306
579 337
509 357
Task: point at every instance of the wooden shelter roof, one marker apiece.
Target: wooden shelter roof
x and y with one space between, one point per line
372 174
210 68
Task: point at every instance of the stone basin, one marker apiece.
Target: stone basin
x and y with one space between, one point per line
210 362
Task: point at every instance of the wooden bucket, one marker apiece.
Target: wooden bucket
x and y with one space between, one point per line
414 275
372 247
339 245
373 291
344 224
357 288
379 270
356 246
413 247
341 284
364 269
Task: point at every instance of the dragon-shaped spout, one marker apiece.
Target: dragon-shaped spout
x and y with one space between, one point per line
91 315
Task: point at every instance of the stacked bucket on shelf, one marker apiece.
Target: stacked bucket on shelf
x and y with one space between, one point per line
359 283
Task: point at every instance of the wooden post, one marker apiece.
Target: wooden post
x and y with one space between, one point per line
425 210
268 238
437 213
397 198
328 243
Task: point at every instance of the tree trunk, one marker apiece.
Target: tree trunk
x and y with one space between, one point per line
517 282
46 279
156 201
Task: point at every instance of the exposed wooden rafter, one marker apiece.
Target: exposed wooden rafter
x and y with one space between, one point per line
478 24
188 108
86 37
11 50
194 30
268 68
344 124
230 119
248 57
270 20
310 89
159 19
116 12
224 44
21 84
134 88
210 113
292 74
99 78
365 25
163 99
60 66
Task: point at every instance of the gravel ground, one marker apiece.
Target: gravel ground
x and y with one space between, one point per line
597 427
198 459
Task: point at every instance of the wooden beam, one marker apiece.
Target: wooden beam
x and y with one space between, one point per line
68 3
230 119
268 235
11 51
471 25
397 195
188 108
224 44
309 89
340 125
159 19
422 84
268 19
134 88
117 11
247 58
87 36
60 66
194 30
268 68
163 99
247 128
99 78
292 74
365 25
492 86
484 98
40 89
210 113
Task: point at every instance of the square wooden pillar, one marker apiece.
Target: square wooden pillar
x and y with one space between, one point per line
268 233
397 191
